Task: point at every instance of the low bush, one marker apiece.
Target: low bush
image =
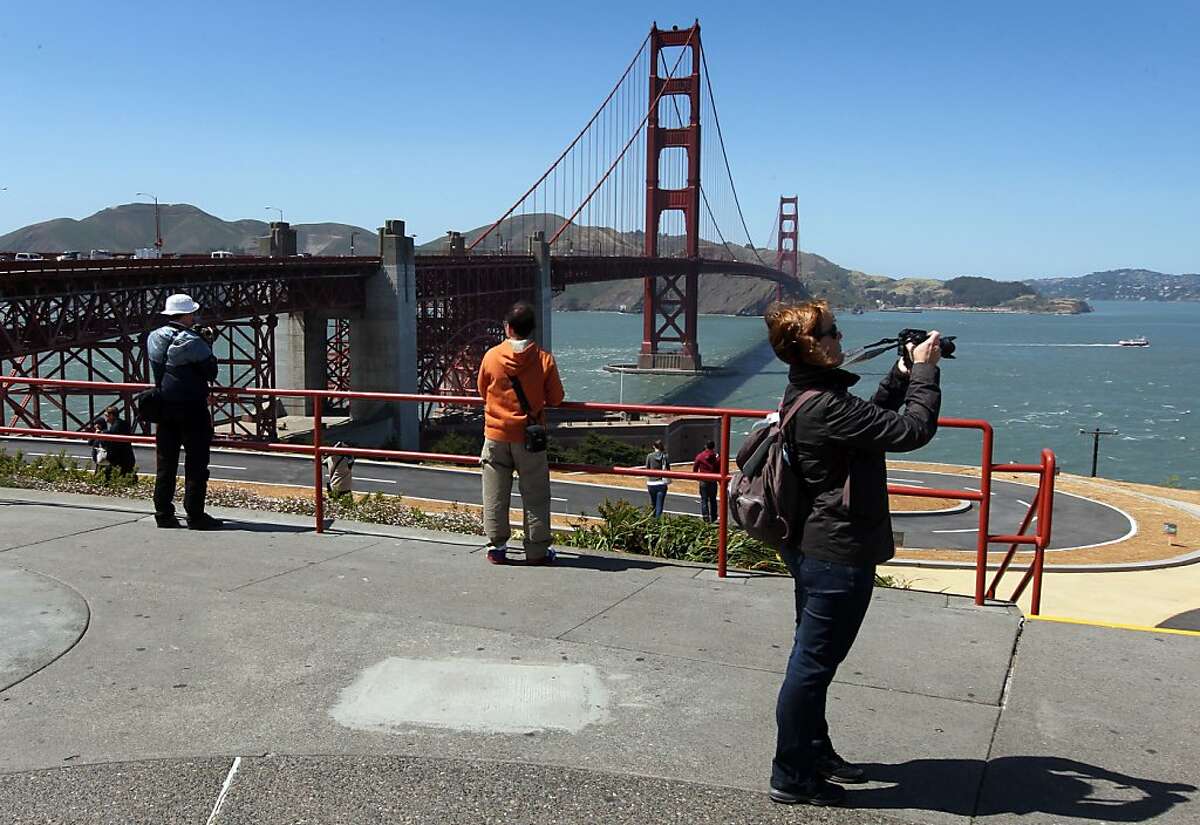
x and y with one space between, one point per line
627 528
599 450
631 529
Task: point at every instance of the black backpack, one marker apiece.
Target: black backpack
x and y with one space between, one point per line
766 496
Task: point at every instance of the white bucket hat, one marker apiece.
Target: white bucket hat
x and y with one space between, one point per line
180 305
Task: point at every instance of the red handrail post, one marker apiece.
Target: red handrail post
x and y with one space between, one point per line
723 497
318 490
985 508
1045 518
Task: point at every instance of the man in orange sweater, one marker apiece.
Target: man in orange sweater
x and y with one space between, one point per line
504 437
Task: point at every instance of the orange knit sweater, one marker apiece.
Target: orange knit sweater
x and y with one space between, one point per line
538 372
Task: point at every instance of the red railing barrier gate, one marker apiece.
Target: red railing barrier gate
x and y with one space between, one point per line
1043 502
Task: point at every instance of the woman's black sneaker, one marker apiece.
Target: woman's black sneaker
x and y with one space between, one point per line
818 792
203 522
835 769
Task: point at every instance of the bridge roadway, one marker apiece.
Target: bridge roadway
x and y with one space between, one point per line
1078 522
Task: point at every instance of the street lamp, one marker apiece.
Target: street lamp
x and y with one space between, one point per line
277 209
352 236
158 243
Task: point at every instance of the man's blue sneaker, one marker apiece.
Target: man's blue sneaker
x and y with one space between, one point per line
549 558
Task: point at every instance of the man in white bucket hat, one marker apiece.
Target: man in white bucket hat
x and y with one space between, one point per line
183 364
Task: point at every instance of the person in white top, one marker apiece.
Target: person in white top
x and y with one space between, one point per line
656 486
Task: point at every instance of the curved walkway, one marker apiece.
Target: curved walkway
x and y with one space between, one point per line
295 657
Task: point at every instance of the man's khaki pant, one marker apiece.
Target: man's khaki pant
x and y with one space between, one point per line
500 459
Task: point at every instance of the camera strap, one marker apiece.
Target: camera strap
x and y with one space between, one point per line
870 351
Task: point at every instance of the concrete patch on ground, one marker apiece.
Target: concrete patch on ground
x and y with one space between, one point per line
476 696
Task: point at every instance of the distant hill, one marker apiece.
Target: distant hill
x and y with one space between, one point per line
185 229
1123 285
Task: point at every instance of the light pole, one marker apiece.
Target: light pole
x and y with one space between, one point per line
352 236
158 243
1095 434
277 209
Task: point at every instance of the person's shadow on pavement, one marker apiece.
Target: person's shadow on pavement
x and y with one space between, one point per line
1062 788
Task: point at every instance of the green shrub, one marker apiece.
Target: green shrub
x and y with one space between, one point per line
458 444
599 450
631 529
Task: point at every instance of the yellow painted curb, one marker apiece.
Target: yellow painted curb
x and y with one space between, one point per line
1114 626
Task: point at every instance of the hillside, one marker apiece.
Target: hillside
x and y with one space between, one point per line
1124 285
185 229
189 229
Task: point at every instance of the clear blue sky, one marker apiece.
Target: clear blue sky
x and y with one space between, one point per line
1010 140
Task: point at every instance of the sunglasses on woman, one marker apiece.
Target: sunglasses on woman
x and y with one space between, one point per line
832 332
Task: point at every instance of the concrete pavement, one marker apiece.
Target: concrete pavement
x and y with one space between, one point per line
265 674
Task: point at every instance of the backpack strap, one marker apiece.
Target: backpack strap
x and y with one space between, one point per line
795 408
522 398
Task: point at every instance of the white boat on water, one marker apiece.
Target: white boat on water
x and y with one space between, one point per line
1140 341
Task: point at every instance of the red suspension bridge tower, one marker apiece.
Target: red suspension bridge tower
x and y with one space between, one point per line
787 246
669 314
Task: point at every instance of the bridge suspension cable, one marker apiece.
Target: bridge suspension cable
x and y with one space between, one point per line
624 149
592 200
712 102
560 186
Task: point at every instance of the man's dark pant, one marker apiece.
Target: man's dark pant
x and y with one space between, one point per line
189 427
708 500
831 601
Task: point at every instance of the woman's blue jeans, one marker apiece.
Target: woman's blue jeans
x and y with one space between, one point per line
831 601
658 498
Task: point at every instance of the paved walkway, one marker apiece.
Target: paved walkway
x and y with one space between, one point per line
268 675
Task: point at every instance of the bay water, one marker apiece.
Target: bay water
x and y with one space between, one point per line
1039 380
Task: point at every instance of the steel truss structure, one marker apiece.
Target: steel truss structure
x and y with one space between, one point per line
461 302
337 362
245 351
88 320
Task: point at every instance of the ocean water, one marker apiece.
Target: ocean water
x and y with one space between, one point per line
1038 379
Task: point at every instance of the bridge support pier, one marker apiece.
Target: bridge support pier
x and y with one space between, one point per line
279 242
544 298
669 309
304 357
383 341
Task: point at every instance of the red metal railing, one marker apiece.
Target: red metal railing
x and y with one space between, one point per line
1043 501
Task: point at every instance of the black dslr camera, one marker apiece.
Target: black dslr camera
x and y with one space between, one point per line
209 334
917 336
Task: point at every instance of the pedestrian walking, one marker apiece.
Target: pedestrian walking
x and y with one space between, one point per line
656 486
183 364
708 461
339 469
836 442
517 381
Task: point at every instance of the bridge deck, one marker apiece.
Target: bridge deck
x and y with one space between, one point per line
273 644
